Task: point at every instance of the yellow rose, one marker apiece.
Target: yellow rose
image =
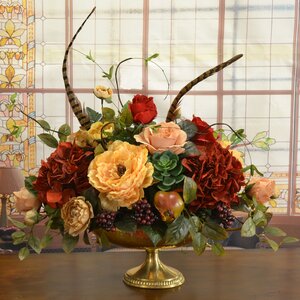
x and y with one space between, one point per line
166 136
120 174
102 92
76 214
263 189
95 130
25 200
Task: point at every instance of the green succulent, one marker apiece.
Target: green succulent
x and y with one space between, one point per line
167 170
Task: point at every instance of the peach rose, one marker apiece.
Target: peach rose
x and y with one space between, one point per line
166 136
263 189
120 174
25 200
77 214
102 92
80 138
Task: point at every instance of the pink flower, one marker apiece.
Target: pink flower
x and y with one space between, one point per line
163 137
263 189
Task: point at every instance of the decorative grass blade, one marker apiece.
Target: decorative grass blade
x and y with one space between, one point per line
75 104
174 108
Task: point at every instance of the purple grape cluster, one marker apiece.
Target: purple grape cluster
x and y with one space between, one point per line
106 220
223 213
143 213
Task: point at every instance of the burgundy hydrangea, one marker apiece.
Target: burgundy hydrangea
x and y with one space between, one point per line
63 175
218 175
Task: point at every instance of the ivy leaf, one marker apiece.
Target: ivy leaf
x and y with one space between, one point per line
44 124
189 128
189 190
48 139
93 115
23 253
289 239
154 236
69 242
64 131
248 228
177 230
217 249
275 231
214 231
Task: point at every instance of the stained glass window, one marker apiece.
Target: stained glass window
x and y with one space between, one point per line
259 92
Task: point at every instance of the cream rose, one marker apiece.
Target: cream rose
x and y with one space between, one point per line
120 174
96 128
166 136
263 189
102 92
76 214
25 200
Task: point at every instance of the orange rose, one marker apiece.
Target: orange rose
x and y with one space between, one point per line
263 189
166 136
120 174
25 200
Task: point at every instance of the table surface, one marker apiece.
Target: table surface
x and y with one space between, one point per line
239 274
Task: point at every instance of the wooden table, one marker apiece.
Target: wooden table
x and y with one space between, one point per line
239 274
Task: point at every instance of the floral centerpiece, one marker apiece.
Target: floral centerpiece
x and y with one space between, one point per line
172 182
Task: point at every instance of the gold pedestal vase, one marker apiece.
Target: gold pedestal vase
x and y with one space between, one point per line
152 273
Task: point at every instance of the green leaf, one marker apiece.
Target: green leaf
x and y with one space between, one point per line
34 243
177 230
90 57
259 136
189 190
289 239
16 223
261 145
86 238
18 237
189 128
93 115
91 195
48 139
275 231
154 236
126 224
108 114
151 57
29 184
259 218
270 141
217 249
214 231
64 131
248 228
69 242
272 243
190 149
199 243
108 74
45 241
23 253
44 124
126 118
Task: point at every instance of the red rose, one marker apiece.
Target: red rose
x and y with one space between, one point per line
143 109
63 175
204 134
218 175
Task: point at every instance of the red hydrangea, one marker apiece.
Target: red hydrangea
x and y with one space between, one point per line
143 109
63 175
218 175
